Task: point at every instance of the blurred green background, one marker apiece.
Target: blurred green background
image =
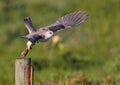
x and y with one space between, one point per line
91 49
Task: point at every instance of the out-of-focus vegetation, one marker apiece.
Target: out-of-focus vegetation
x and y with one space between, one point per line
91 49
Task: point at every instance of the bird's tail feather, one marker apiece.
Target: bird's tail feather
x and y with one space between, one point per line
25 37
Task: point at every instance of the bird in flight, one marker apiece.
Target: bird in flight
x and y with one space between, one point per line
45 33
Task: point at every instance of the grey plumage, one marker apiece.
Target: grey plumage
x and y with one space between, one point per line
29 25
44 33
69 21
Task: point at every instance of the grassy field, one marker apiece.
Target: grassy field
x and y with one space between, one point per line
89 52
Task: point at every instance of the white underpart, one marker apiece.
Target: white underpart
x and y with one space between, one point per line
48 34
29 44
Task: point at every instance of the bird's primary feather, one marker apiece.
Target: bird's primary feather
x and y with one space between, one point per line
68 21
29 25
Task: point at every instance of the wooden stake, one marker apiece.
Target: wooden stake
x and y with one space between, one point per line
23 71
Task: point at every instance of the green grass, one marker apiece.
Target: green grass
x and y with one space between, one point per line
93 49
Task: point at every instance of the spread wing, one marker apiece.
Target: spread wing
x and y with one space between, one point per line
68 21
29 25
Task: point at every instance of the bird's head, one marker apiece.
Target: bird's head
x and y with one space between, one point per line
48 34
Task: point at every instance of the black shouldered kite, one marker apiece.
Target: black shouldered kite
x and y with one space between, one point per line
45 33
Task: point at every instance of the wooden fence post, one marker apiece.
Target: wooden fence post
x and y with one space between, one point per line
23 71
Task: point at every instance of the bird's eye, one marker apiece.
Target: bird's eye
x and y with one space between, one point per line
50 32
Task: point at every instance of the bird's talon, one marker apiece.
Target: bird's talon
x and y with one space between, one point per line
24 53
29 48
